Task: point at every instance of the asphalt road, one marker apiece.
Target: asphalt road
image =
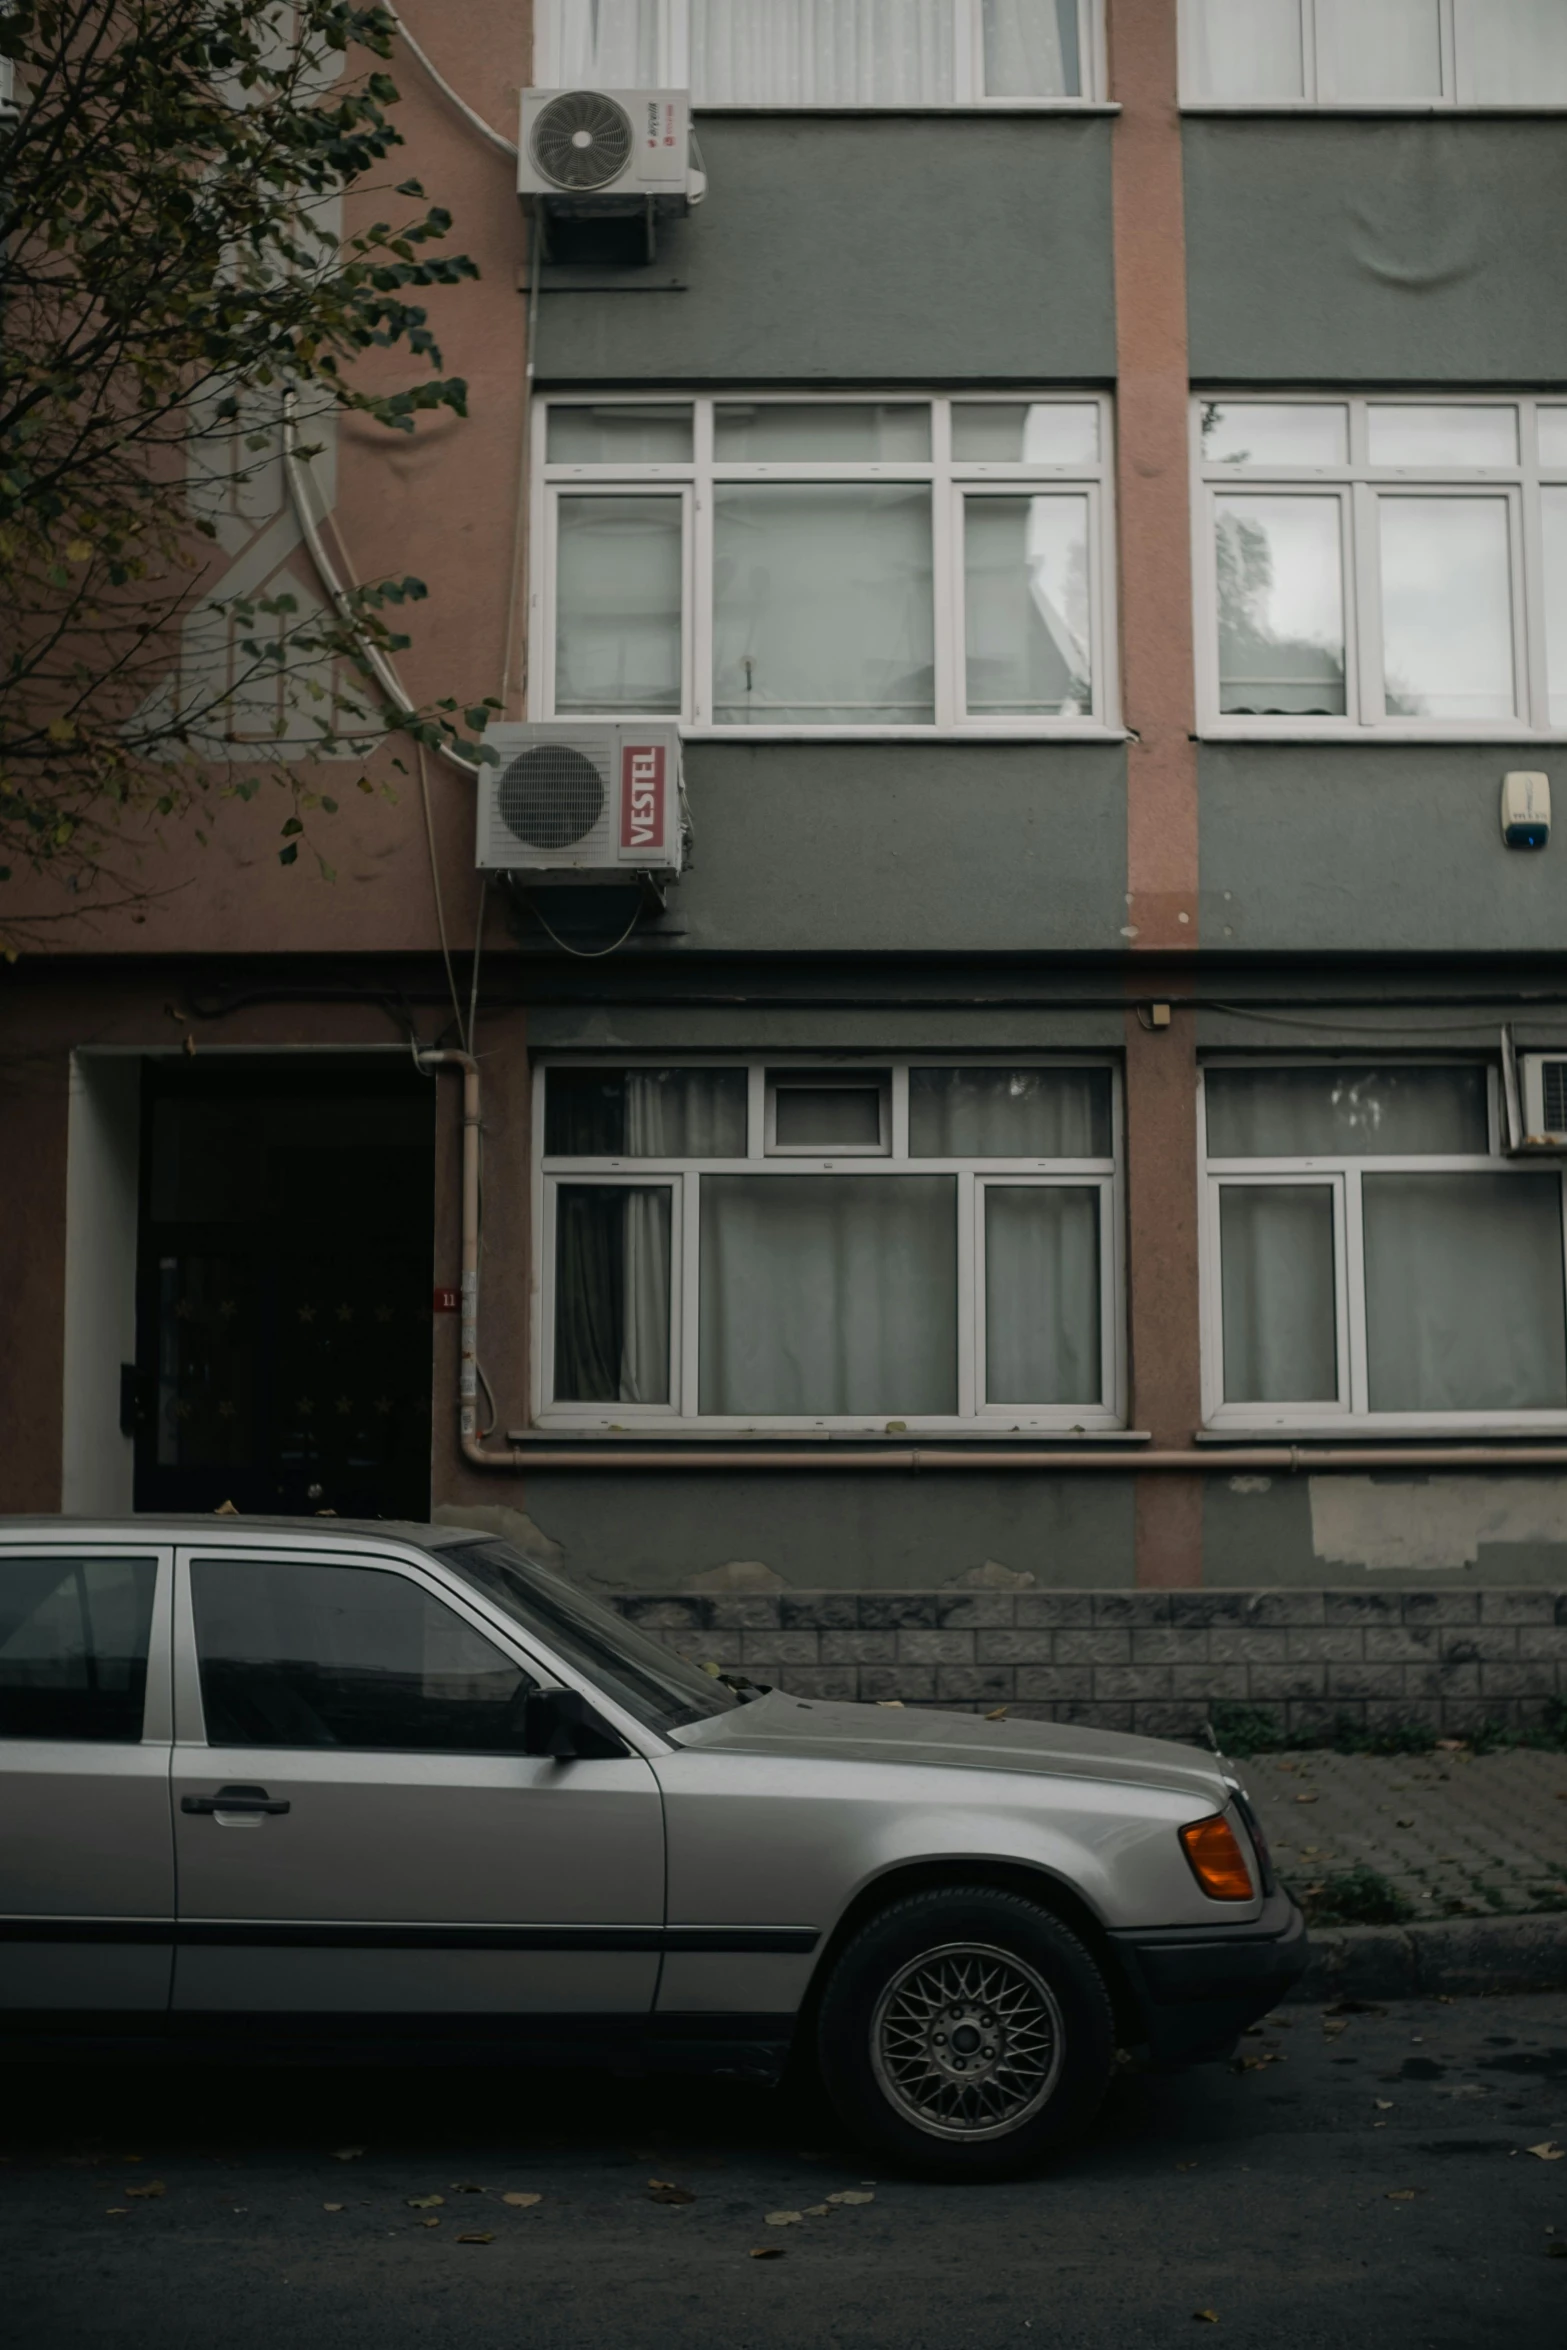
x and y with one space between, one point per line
1368 2184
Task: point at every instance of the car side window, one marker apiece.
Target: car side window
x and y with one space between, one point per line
74 1635
295 1653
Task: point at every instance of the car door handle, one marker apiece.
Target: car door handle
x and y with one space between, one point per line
241 1799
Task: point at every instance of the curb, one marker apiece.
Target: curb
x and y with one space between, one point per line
1459 1956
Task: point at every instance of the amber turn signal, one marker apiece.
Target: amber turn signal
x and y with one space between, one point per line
1218 1863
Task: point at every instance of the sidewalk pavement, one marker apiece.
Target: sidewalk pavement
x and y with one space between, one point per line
1457 1835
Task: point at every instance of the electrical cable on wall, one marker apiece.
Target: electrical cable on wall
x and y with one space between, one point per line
487 131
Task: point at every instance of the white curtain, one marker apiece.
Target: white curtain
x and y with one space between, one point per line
1042 1294
1315 1113
1280 1326
1009 1114
824 1294
610 42
822 52
1519 52
1464 1293
1025 566
1031 49
1247 49
644 1345
822 604
618 593
1380 48
685 1113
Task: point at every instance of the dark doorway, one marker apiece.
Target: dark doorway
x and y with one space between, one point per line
283 1287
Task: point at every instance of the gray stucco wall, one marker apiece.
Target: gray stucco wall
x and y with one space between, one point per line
938 848
1376 251
1390 849
863 249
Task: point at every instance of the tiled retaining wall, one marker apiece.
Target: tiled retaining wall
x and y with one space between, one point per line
1145 1660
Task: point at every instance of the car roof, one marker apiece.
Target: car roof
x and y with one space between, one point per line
181 1526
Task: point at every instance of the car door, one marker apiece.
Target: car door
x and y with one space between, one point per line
384 1849
86 1842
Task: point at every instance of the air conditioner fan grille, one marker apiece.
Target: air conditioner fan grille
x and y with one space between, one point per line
1553 1092
551 796
581 140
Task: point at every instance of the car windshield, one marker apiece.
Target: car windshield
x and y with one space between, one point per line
655 1686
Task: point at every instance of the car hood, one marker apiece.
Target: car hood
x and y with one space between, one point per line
776 1724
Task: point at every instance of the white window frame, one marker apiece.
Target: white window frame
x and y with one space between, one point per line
968 63
1359 485
1462 32
952 483
972 1176
1344 1172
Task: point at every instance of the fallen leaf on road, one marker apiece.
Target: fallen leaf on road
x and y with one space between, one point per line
1403 1823
423 2202
1546 2151
522 2202
999 1715
893 1705
776 2252
851 2195
665 2191
1305 1799
784 2219
477 2236
157 2187
346 2153
118 2211
1332 2025
1383 2104
1401 2194
1205 2317
427 2223
466 2187
334 2207
816 2211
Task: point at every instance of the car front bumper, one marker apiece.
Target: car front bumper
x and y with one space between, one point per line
1196 1988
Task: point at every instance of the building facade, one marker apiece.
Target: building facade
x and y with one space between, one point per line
1033 1216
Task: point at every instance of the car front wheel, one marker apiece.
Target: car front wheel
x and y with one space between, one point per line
966 2032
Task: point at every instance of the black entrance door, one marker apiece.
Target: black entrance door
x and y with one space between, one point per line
283 1288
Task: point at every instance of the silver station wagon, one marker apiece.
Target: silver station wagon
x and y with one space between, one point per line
275 1784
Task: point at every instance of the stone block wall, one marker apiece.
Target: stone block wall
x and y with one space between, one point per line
1144 1660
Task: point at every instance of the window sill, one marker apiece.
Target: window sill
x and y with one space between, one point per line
903 734
1342 731
1422 109
981 106
1399 1430
663 1436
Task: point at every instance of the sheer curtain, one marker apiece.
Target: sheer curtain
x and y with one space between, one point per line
1380 48
1247 49
1042 1294
822 52
1280 1326
1518 52
1464 1293
612 1293
823 609
1031 49
1009 1114
824 1294
610 41
1312 1113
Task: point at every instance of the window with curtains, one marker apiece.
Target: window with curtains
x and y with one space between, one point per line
839 1243
786 562
1369 1255
829 53
1397 564
1375 53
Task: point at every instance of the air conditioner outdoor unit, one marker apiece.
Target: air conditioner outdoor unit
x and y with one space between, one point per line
607 151
1543 1086
595 798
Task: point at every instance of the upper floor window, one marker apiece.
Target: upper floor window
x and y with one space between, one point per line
829 1243
1375 53
847 53
791 563
1394 564
1369 1253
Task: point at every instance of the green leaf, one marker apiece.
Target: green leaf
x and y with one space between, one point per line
288 855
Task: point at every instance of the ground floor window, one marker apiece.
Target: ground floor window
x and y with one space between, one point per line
844 1242
1369 1253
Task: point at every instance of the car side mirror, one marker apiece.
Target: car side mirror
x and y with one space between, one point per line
561 1723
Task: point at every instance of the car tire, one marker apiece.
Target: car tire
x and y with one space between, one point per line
966 2032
